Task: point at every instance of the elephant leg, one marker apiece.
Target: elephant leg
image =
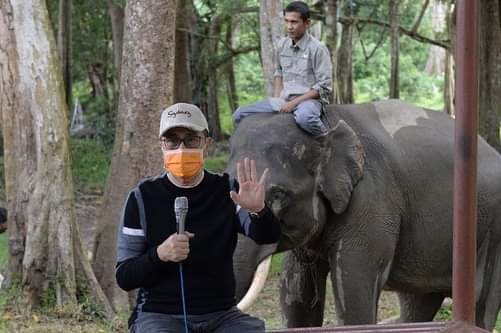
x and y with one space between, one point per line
357 282
419 307
489 299
302 288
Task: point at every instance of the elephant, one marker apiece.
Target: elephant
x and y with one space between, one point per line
369 202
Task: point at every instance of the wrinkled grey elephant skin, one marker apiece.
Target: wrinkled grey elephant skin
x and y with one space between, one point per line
371 204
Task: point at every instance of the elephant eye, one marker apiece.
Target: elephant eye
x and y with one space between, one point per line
277 198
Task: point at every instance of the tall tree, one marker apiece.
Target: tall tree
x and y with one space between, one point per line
395 48
64 45
490 72
212 110
117 28
184 21
331 41
147 86
229 70
345 57
271 23
449 84
46 254
436 59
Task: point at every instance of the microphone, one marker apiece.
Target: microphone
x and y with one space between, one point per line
181 209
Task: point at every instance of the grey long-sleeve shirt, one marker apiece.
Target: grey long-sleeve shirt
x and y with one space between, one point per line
303 66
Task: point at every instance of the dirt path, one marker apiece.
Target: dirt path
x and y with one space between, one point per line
267 306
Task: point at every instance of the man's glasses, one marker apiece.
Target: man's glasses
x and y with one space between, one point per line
173 142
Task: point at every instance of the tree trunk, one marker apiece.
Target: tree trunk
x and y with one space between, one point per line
395 48
16 147
44 242
212 110
271 22
117 31
147 86
344 60
449 83
183 88
229 72
64 36
97 80
436 59
331 42
490 72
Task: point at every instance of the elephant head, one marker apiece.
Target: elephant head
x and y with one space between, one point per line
310 179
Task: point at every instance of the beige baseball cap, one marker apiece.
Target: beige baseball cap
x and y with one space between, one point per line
183 115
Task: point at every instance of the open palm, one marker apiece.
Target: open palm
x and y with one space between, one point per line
251 190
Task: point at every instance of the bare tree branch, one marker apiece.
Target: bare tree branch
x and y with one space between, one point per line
420 38
420 17
382 36
234 52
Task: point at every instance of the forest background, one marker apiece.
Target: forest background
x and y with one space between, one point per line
215 54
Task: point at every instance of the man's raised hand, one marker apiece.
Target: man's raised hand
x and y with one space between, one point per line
251 190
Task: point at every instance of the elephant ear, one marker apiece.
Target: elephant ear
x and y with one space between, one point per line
341 165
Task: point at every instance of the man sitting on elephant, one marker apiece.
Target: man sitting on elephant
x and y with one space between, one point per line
303 75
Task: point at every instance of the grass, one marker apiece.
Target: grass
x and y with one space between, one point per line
90 164
81 318
445 314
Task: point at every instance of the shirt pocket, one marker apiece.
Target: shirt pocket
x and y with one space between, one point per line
304 65
285 62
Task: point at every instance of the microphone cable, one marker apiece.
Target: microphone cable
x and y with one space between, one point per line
181 280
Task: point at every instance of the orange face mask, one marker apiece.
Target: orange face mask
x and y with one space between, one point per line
183 163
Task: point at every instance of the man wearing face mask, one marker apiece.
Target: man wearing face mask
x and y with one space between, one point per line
150 250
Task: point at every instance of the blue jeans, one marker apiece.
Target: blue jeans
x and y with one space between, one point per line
307 114
230 321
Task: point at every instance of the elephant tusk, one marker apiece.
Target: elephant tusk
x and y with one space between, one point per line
257 284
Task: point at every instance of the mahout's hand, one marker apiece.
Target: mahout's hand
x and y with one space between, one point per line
288 107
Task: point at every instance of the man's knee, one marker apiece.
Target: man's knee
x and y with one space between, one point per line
308 117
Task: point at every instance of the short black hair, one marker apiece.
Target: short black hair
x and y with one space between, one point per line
298 7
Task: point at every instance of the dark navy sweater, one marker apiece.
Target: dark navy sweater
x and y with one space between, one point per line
148 219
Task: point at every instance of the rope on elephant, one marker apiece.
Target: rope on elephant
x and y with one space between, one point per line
308 262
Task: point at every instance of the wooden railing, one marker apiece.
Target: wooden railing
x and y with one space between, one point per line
443 327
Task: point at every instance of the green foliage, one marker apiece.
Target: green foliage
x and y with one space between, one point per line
216 163
97 112
444 314
90 163
7 298
371 76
